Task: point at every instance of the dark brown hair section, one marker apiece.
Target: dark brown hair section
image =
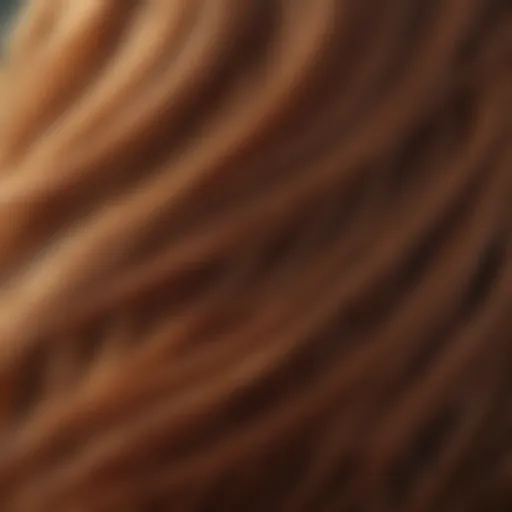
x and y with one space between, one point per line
256 255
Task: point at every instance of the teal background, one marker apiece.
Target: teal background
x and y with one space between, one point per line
7 8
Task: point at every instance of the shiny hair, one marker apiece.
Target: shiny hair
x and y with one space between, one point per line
256 255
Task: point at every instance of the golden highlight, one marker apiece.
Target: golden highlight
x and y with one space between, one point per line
256 255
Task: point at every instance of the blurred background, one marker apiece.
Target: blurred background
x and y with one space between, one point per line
7 8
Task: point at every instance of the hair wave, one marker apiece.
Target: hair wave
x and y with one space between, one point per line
256 255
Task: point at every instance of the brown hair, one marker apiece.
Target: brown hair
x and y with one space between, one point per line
256 255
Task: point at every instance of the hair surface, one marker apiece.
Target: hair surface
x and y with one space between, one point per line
256 255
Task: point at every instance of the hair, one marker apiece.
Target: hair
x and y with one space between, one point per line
256 255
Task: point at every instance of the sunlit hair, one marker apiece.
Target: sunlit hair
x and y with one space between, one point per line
255 255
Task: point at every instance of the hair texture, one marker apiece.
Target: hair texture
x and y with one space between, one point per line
256 256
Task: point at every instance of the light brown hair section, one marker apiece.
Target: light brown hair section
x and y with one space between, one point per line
256 255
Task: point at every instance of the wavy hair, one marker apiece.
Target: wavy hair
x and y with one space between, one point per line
256 255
